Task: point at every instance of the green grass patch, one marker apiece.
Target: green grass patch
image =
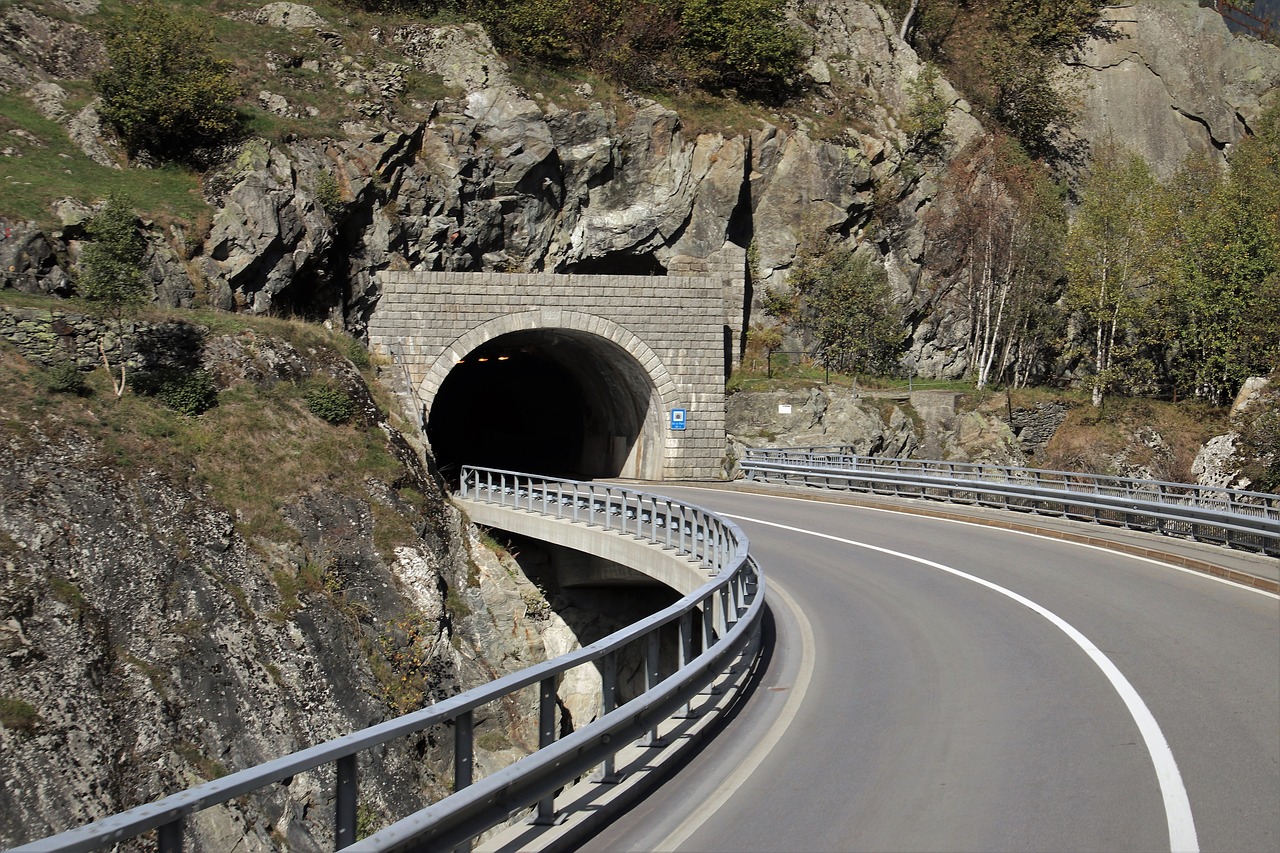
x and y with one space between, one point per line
18 715
154 674
69 594
206 766
53 167
256 451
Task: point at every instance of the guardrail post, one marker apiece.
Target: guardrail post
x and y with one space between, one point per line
546 813
709 630
686 655
346 797
609 702
463 750
651 678
463 760
169 836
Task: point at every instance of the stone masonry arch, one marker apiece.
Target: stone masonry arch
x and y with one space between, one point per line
610 356
543 318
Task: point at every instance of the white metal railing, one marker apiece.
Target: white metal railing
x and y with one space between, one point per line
715 623
1234 517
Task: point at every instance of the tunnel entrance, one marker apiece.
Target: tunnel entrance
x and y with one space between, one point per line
548 401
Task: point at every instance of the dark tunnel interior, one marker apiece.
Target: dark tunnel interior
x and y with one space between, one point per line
545 401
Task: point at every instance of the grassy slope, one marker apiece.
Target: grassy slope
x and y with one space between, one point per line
279 61
255 451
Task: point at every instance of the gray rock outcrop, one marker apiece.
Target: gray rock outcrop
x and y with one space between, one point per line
1173 81
1218 461
826 416
149 641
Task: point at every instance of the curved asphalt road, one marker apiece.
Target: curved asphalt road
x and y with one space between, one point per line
905 707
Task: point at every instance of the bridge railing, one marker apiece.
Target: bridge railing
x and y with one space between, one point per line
715 623
1241 519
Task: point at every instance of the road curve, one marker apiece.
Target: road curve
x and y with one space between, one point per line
921 696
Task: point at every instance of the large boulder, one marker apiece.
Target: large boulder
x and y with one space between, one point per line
827 416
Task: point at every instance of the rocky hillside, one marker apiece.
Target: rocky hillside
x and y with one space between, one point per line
394 144
1038 429
183 595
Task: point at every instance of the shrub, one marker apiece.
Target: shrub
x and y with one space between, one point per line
330 403
534 29
926 119
65 378
329 195
17 715
189 392
111 264
359 354
745 45
163 92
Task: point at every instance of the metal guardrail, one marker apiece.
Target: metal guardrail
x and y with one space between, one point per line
715 622
1233 517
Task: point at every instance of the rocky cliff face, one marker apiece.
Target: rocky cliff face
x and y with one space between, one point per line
155 632
501 178
1172 81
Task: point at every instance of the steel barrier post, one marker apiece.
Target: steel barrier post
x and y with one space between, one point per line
346 797
546 813
651 679
685 654
609 702
169 836
463 750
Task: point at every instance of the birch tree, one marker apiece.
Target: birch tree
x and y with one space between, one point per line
111 269
1002 231
1216 321
1112 257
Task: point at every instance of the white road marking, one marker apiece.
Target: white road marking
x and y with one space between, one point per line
1177 806
1103 548
766 744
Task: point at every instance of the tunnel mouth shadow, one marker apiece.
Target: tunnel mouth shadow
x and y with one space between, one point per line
554 402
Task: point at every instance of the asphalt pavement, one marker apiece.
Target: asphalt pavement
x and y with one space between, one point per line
934 684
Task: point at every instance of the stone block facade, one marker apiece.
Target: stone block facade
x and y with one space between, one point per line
672 327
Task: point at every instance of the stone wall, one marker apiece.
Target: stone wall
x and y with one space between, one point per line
672 326
51 337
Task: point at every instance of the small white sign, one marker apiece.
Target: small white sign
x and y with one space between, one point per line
784 408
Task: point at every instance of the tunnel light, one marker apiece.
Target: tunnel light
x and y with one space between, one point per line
483 358
503 357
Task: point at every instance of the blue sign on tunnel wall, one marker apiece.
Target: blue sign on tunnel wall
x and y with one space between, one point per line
677 418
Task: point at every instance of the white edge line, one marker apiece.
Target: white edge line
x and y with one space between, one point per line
1177 805
766 744
1103 548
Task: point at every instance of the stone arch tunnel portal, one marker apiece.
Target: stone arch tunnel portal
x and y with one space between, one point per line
552 401
578 376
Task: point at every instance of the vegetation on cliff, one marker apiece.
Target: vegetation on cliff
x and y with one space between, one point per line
186 593
162 90
745 46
